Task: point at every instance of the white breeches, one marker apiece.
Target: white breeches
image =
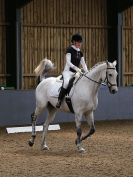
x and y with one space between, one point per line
67 75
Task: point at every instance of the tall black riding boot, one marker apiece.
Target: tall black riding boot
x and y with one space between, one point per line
61 97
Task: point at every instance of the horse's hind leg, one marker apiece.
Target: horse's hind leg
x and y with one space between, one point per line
34 116
50 118
33 120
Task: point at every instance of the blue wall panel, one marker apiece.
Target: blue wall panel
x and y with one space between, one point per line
17 106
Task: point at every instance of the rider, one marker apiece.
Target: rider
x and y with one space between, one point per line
74 57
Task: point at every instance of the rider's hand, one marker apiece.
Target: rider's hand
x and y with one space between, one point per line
79 70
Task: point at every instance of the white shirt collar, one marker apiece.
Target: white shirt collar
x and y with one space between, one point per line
73 46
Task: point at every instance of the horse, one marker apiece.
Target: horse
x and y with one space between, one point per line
83 95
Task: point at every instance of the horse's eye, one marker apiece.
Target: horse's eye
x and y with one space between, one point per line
110 75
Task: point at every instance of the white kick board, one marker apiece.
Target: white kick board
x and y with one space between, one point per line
29 128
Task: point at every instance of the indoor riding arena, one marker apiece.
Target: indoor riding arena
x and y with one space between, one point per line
31 30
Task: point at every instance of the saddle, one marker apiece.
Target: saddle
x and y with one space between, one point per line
67 97
72 81
70 84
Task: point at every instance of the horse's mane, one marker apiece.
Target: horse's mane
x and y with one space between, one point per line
97 64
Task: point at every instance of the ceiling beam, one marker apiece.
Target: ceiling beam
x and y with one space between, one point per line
21 3
124 4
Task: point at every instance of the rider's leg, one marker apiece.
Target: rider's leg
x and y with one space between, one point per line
66 78
61 97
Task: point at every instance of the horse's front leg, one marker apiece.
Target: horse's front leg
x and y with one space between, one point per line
33 119
79 132
90 120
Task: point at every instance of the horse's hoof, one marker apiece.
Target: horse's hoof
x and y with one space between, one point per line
45 147
89 137
30 143
81 150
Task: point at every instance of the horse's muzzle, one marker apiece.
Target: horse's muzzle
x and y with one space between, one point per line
113 90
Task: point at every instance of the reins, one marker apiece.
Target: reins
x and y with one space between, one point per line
100 83
93 80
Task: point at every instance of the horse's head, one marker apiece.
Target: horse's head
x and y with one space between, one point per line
111 77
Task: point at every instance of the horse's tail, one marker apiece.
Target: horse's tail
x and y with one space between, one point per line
44 66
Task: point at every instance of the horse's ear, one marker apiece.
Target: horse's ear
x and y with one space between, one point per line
107 62
115 63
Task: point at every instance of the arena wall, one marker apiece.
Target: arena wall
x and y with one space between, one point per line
17 106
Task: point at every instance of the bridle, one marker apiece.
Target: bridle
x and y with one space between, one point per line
106 80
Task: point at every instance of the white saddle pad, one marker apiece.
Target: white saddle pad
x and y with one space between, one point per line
54 91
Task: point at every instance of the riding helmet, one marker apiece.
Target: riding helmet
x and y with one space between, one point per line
77 38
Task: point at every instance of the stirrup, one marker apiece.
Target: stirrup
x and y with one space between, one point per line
58 104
